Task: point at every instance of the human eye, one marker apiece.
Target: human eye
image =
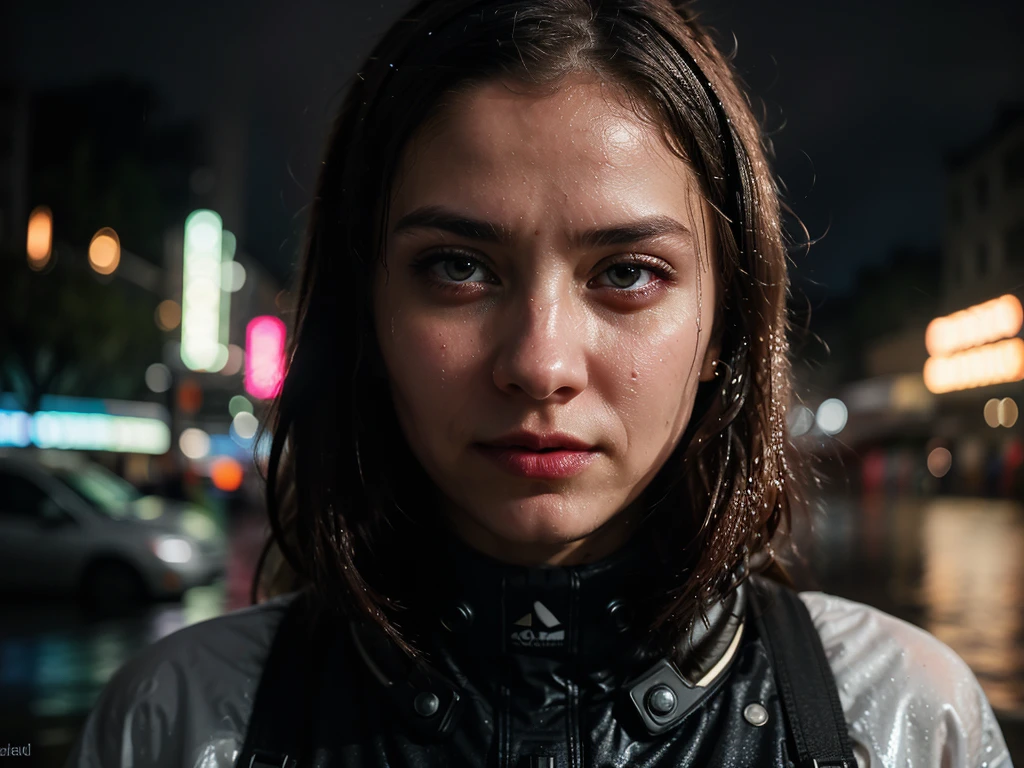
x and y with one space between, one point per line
636 275
450 268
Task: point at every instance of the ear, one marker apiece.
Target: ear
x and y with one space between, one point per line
709 367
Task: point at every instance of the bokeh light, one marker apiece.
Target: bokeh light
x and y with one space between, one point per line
264 356
1007 412
998 363
201 347
39 244
245 425
168 315
226 474
158 377
238 404
190 396
194 443
831 417
996 319
991 412
800 420
939 461
105 251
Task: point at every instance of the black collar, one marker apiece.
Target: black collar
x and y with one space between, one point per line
539 624
578 613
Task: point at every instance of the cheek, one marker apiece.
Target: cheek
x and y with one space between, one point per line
655 376
428 363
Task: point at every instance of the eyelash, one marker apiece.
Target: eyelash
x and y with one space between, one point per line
423 267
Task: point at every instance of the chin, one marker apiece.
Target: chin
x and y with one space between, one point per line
546 519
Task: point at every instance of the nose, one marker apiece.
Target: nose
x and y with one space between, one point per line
541 352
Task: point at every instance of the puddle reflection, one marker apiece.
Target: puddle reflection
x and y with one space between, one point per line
954 566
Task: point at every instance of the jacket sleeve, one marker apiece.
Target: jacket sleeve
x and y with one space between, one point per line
185 701
137 721
909 699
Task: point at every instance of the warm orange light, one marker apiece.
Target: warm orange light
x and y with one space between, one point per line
226 474
997 363
996 319
39 244
190 396
168 315
105 251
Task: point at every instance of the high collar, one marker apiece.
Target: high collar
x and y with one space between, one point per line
541 632
583 614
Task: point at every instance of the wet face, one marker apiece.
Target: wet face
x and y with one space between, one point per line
548 271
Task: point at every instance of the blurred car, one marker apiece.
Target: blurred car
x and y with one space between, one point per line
70 526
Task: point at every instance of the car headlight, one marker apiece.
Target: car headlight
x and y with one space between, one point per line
172 549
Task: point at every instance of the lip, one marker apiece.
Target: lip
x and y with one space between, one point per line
537 442
550 465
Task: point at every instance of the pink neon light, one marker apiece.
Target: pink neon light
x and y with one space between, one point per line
264 356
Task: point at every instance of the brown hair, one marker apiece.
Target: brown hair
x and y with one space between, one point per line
341 476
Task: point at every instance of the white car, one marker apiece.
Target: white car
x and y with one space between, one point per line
70 526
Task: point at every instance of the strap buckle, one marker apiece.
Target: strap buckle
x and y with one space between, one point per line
827 764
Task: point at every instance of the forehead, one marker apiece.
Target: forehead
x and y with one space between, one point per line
504 147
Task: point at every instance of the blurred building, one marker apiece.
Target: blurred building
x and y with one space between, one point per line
14 110
960 437
983 259
983 236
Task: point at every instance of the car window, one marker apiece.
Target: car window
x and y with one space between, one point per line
105 491
20 497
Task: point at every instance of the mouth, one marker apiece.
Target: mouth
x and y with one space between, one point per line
540 443
551 463
532 450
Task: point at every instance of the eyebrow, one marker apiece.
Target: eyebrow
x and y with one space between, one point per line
439 217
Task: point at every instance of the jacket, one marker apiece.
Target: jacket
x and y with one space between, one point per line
544 661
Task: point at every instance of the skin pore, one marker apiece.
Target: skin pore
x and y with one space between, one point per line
525 326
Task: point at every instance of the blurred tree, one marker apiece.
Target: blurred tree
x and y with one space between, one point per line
97 159
69 331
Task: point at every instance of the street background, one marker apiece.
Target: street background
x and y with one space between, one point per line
155 168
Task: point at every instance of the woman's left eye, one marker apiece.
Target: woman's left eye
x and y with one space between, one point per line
627 276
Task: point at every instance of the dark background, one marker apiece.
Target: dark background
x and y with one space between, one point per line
863 100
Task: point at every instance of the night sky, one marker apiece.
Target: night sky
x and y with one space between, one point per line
873 96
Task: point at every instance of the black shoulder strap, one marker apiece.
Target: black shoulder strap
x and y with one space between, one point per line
806 684
281 714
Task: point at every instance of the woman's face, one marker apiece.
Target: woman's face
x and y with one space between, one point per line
503 309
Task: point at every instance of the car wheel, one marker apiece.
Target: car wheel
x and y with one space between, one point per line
113 586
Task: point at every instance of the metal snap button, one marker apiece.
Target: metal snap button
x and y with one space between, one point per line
458 618
755 714
619 614
426 704
661 700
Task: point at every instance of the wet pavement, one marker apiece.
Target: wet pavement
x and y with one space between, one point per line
952 566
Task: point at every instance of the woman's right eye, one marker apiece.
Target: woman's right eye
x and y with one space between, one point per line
452 267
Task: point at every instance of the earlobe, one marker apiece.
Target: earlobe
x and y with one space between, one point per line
709 368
